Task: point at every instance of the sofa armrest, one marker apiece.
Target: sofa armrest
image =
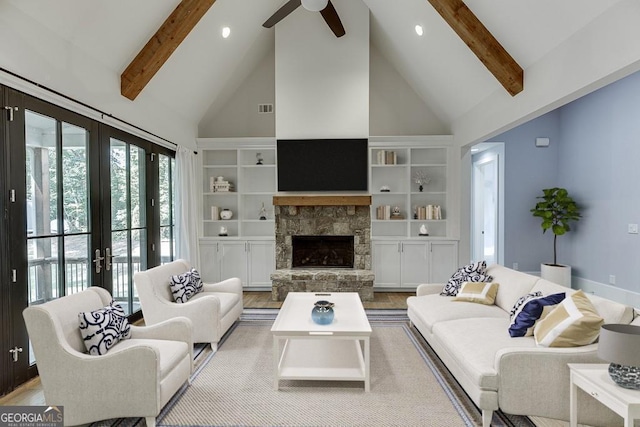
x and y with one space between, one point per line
87 371
175 329
535 381
232 285
429 289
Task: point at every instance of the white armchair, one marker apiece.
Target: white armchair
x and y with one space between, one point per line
135 378
212 312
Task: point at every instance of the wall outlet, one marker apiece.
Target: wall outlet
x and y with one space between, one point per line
515 265
612 279
633 228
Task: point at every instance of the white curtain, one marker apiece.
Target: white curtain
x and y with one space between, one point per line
186 200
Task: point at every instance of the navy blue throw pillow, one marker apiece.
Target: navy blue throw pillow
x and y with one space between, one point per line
526 315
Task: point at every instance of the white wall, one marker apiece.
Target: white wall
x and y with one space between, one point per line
239 116
395 108
322 82
43 57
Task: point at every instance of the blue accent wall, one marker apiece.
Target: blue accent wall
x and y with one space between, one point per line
528 169
600 161
595 154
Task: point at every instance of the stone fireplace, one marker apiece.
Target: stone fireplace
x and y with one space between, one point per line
323 244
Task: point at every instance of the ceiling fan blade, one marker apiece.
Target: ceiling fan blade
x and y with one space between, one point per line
281 13
333 20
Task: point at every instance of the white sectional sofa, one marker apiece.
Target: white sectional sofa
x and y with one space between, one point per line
501 372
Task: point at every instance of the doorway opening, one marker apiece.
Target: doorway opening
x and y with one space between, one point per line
487 202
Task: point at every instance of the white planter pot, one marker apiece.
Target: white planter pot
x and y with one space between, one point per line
560 274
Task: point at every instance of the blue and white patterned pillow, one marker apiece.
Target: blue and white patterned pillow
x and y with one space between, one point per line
474 272
101 329
526 315
184 286
523 299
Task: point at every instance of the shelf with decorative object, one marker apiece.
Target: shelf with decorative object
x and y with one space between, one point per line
248 165
418 184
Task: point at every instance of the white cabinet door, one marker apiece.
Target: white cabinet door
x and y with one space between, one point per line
262 262
209 262
443 260
415 264
233 260
386 263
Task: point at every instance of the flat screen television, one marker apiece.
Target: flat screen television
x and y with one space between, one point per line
322 164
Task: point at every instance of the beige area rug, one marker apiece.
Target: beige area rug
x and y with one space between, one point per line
234 387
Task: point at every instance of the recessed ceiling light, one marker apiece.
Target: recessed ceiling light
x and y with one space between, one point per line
419 30
225 32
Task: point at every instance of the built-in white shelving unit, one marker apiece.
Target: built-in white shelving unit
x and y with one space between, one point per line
252 186
429 207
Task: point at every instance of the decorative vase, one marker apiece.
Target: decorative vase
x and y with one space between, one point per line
322 312
226 214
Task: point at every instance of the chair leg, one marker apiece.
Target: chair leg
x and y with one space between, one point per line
487 416
151 421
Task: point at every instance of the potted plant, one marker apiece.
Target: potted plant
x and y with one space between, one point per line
556 209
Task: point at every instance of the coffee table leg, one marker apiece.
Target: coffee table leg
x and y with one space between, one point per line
276 362
367 371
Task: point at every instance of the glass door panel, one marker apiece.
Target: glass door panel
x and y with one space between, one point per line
128 220
57 194
166 184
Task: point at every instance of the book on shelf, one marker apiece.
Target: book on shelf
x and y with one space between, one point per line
385 157
383 212
429 212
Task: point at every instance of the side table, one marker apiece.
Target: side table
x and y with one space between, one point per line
594 379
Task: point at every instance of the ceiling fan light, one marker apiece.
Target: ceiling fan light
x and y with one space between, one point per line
314 5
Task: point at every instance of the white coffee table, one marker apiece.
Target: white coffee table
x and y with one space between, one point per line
304 350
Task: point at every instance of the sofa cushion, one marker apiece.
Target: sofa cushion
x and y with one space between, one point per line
574 322
474 272
611 311
170 353
527 314
227 300
433 308
513 285
480 292
473 344
102 329
186 285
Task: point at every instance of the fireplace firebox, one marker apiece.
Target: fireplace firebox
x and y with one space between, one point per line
322 251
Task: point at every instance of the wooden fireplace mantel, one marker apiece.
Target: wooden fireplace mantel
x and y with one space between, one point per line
323 200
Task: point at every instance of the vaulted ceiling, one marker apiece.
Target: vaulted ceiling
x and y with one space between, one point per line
441 69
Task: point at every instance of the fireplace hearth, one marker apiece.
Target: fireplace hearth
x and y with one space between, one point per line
322 251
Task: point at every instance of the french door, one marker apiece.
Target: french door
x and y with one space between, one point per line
83 210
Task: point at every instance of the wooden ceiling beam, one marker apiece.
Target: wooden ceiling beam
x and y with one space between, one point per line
161 45
469 28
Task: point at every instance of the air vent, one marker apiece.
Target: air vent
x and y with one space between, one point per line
265 108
